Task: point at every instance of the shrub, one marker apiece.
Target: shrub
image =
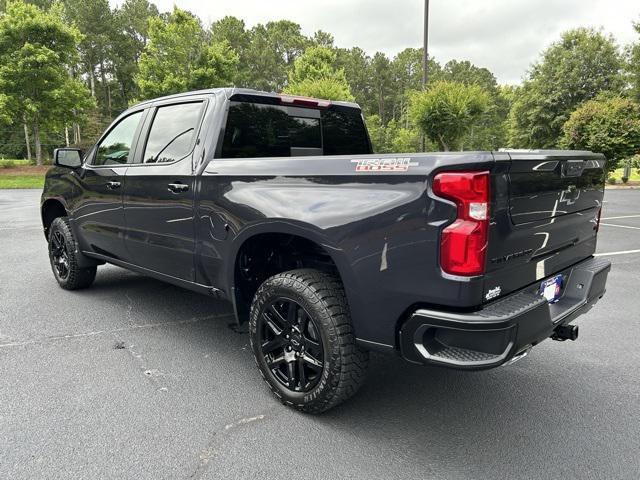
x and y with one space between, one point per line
611 181
608 125
447 111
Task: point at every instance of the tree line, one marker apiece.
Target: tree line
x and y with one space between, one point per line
67 68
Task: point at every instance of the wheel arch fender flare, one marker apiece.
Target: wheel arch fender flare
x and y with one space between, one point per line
48 202
300 229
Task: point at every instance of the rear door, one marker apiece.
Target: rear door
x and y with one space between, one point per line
99 215
159 191
544 216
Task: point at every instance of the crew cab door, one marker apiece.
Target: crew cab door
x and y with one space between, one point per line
159 191
99 215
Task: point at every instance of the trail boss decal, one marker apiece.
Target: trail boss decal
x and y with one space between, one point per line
493 293
384 164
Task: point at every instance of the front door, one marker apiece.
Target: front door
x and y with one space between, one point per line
159 196
98 210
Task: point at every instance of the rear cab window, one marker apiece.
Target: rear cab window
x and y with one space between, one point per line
255 130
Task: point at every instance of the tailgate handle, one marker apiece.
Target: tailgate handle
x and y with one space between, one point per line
572 168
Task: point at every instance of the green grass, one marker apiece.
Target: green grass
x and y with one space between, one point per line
617 174
13 162
21 181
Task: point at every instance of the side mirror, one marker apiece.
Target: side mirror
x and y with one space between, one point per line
67 157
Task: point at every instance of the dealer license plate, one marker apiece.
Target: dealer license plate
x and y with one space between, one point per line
551 289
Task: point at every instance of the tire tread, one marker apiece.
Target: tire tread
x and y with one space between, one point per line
78 278
349 364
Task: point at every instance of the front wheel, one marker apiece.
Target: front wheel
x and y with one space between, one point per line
303 342
63 255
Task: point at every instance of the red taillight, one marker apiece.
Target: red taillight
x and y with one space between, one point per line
305 101
463 244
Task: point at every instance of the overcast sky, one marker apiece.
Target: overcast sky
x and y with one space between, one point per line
505 36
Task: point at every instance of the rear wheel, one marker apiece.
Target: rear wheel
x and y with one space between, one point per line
63 255
303 342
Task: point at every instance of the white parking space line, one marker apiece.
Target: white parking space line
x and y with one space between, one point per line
622 216
620 226
622 252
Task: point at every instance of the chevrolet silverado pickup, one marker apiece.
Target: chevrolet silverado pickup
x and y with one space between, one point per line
277 204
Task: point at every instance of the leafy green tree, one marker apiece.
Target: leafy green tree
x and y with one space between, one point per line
324 88
392 137
232 30
96 23
633 64
608 125
5 109
132 25
286 40
465 72
42 4
583 63
377 133
272 51
322 39
37 49
314 75
355 63
314 64
70 105
382 83
447 111
179 57
406 71
489 132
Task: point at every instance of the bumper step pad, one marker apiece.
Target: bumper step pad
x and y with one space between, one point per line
462 355
491 336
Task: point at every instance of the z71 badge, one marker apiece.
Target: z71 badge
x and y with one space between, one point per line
384 164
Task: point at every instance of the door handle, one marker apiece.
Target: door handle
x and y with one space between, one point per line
113 185
178 187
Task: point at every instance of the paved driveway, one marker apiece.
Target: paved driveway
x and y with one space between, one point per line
184 400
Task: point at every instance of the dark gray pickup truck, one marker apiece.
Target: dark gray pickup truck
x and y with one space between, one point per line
462 260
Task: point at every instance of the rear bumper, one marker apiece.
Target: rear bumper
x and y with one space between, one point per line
506 328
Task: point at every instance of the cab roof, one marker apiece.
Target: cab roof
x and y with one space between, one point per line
229 92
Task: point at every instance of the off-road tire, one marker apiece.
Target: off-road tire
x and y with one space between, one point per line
322 296
75 277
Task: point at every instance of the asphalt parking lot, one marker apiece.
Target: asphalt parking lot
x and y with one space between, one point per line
184 400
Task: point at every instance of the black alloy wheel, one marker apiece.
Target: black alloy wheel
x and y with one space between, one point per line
60 254
303 341
291 344
65 258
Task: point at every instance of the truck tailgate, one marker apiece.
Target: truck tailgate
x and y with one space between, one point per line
546 207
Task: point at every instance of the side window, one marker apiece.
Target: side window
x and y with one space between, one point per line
257 130
114 148
172 133
344 133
